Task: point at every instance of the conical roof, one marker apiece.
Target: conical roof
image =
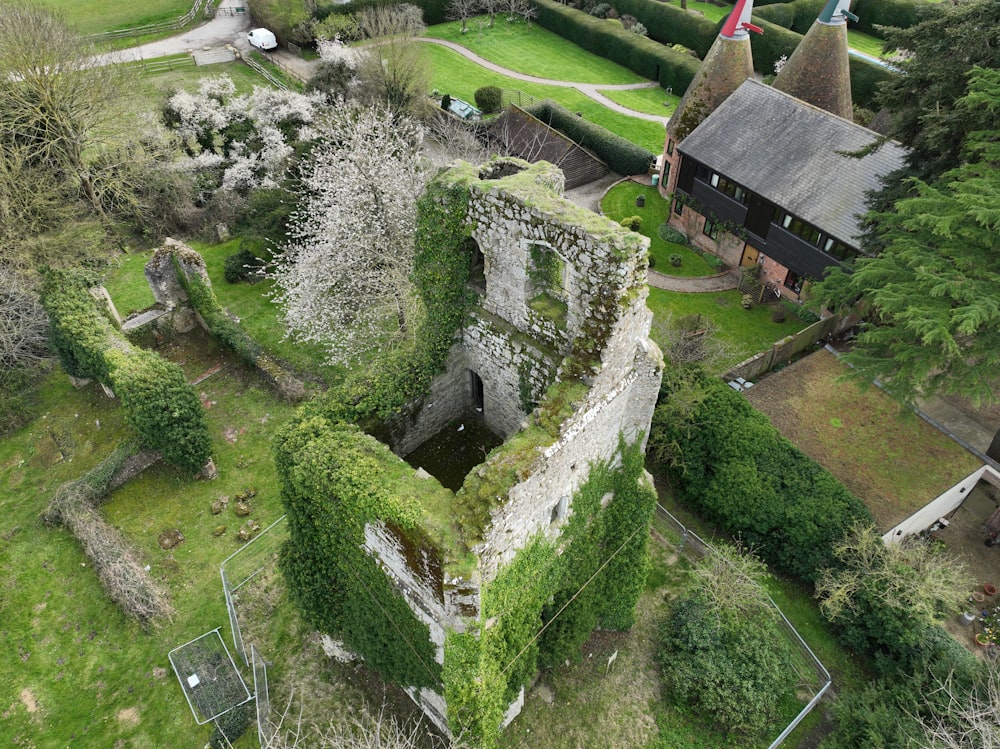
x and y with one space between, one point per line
818 72
728 63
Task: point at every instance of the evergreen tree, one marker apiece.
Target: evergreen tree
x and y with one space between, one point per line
934 291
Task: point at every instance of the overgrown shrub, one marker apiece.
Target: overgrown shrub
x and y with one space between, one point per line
619 154
632 223
733 672
741 474
242 266
158 402
489 99
670 234
161 406
640 54
600 10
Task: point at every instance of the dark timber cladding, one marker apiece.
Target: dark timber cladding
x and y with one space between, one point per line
793 155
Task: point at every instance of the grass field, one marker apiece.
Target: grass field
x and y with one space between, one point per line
95 16
533 50
652 100
620 202
747 331
895 462
870 45
75 671
455 75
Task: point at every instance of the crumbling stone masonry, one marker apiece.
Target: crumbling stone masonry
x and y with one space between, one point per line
561 305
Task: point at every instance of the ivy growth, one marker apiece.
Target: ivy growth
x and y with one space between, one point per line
592 576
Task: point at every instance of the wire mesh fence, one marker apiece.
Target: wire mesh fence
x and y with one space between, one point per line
809 670
208 676
242 567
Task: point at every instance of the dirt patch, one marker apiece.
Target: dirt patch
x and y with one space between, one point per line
170 539
128 716
892 460
159 672
29 701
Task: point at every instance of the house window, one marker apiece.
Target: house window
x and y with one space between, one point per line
710 229
838 249
678 207
800 228
793 281
670 146
666 173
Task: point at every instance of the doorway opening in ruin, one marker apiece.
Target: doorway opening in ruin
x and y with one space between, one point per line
476 392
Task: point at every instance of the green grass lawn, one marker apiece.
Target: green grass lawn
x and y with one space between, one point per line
259 316
533 50
859 40
747 331
76 671
649 100
709 10
95 16
620 202
455 75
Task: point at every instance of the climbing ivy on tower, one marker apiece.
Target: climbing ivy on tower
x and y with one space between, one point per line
544 604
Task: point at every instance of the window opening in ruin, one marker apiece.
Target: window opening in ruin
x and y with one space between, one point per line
548 274
559 510
477 270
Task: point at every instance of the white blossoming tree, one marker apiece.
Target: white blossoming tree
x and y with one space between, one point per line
344 278
245 142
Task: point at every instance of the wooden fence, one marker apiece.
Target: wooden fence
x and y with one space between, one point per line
153 28
787 348
264 72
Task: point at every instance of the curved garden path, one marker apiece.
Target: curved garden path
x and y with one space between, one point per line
592 90
694 284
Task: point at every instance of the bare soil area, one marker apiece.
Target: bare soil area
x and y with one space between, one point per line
886 456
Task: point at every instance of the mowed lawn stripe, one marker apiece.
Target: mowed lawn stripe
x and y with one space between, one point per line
459 77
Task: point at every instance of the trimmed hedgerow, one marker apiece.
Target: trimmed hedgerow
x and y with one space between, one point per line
741 474
670 24
897 13
619 154
158 402
639 54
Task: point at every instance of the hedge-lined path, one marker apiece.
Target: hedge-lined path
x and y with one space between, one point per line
592 90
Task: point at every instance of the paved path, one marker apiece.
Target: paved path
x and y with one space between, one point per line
220 31
593 90
719 282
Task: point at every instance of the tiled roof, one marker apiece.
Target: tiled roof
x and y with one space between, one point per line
794 155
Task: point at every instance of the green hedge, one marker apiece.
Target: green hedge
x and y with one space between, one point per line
158 402
899 13
639 54
669 24
799 15
725 460
780 14
434 10
620 154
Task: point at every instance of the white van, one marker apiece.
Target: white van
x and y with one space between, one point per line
262 39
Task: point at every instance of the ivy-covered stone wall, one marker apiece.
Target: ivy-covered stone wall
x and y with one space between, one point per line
550 531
